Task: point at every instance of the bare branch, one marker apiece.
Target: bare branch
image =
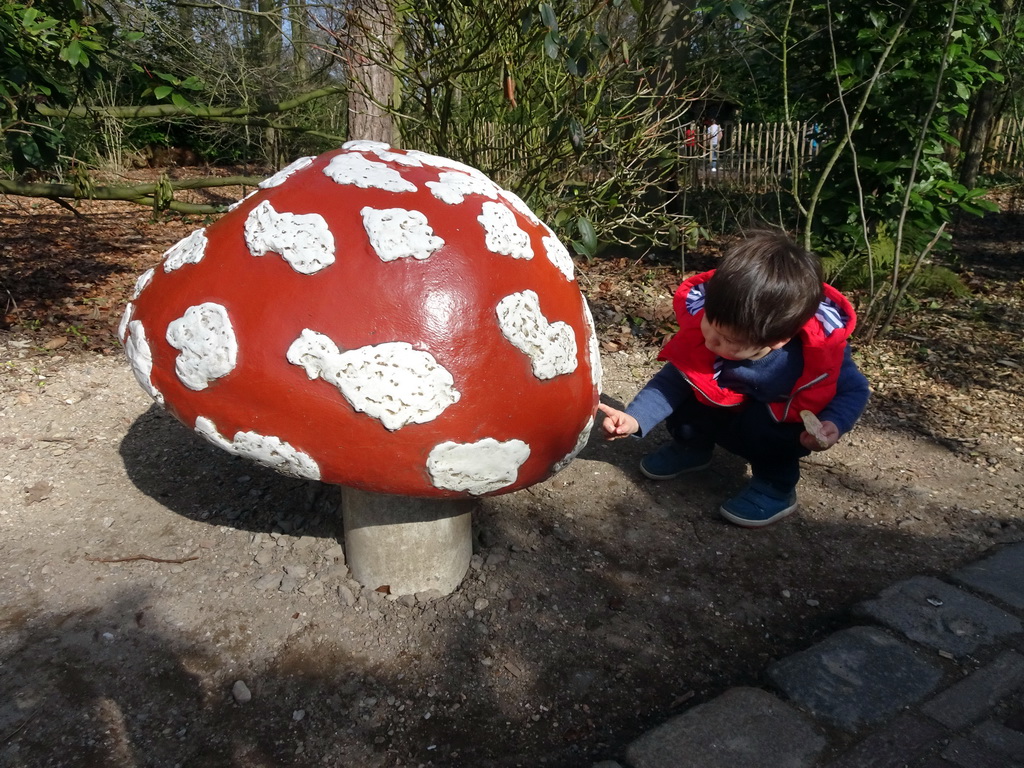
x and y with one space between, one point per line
172 110
141 194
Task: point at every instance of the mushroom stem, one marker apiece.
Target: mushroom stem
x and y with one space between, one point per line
408 544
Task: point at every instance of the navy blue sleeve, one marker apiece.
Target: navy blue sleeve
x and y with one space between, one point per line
852 393
666 390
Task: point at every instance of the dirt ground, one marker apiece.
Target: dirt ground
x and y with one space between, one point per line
144 573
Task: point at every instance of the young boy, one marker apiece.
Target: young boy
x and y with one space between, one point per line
761 338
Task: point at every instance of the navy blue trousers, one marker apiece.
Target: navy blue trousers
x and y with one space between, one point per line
749 431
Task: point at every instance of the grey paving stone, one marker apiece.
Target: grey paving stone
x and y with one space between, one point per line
742 727
856 677
904 740
969 700
941 616
967 754
1000 575
1001 739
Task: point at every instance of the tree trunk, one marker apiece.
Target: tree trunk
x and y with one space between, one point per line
981 118
372 28
299 19
976 133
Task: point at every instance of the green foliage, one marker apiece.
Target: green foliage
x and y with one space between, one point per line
561 102
892 84
857 272
48 50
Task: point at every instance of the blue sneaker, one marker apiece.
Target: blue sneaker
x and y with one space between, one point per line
674 459
758 505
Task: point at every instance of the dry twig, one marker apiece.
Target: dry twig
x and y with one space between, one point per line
140 557
24 722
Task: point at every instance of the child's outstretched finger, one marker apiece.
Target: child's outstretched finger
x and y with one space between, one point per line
616 423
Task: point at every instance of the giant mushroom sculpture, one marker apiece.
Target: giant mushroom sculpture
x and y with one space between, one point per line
389 321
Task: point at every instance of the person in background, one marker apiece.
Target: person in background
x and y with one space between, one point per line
714 134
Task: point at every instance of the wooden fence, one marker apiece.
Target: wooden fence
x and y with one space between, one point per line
751 155
759 155
1006 151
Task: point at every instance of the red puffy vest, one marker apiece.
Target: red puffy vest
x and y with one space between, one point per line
823 338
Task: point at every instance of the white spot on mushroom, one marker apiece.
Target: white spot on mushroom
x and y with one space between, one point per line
452 187
396 233
281 176
122 327
237 203
140 285
559 256
502 233
366 174
391 382
267 450
365 145
551 347
581 443
477 468
383 151
207 343
303 239
140 357
596 371
436 161
188 250
517 202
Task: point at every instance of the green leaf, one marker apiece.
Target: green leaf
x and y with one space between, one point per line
551 47
581 249
577 45
576 134
588 236
526 19
739 10
72 54
162 91
844 67
30 154
547 15
180 101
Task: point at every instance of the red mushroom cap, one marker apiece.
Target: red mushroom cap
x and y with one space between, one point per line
391 321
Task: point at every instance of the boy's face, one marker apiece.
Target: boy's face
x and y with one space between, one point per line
726 343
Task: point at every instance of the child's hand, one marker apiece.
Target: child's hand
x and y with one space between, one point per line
828 435
617 424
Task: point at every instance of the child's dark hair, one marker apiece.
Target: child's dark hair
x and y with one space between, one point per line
765 288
